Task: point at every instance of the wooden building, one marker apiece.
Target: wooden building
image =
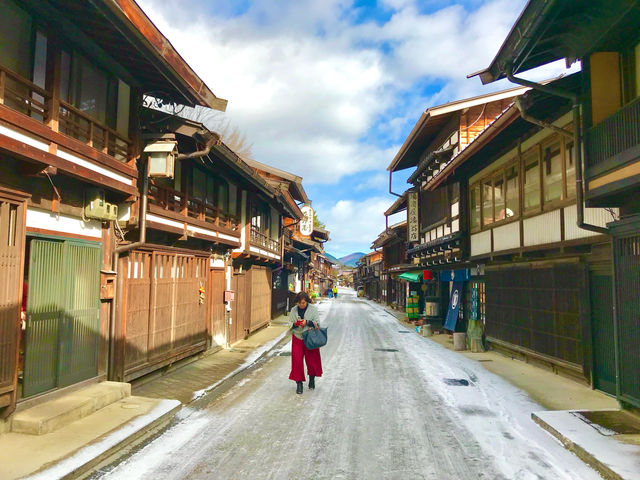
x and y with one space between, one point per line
393 243
173 286
289 277
72 79
370 275
604 37
437 231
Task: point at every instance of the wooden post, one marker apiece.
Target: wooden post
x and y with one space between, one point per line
52 81
3 80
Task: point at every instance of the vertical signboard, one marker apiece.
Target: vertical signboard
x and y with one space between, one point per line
306 224
412 217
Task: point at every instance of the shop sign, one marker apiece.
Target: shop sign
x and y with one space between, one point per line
460 275
412 217
306 224
454 306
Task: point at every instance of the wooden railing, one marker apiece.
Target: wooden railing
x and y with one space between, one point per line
180 203
614 135
77 124
24 96
259 239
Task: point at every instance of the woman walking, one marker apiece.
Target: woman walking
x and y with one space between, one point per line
304 316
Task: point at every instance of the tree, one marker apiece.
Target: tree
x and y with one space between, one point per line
215 121
316 222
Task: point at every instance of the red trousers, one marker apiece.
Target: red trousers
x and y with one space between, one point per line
311 357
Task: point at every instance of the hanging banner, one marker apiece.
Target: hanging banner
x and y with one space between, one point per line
454 306
412 217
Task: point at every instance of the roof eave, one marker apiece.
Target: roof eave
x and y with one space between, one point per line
175 68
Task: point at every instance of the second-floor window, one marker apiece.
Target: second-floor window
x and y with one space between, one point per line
548 179
209 189
97 94
260 217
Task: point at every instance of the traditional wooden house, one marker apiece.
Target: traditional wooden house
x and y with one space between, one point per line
369 275
289 277
72 79
393 241
173 286
605 123
532 271
436 230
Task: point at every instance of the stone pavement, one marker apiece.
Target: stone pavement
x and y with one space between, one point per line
186 381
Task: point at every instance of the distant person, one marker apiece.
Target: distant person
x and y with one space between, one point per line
335 291
304 316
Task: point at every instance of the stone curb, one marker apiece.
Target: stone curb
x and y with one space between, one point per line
582 454
103 452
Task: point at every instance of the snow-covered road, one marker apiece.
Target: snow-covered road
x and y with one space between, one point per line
383 410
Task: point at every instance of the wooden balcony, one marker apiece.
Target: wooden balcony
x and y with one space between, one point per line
39 127
173 211
612 144
261 241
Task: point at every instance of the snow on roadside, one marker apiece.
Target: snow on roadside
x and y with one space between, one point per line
86 454
495 412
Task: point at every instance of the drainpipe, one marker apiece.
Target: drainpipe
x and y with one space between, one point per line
114 267
212 142
390 191
575 135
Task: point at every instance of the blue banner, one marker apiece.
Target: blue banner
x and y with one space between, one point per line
461 275
454 306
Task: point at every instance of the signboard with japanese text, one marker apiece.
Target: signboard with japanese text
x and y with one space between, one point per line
413 232
306 224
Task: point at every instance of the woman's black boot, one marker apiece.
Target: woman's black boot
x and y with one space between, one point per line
299 387
312 382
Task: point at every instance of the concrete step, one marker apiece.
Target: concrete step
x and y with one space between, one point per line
52 415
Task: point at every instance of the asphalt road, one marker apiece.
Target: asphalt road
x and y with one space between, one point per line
391 405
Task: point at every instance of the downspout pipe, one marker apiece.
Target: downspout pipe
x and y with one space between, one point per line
114 267
212 142
576 135
390 190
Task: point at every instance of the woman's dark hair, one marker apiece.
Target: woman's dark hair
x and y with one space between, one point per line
303 296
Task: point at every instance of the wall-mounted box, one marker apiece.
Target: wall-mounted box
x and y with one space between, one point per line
107 284
97 207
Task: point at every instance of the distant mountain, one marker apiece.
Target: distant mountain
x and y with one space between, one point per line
332 258
351 259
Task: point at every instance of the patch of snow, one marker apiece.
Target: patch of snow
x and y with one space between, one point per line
622 458
510 432
91 451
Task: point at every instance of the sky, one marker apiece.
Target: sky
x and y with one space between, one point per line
330 89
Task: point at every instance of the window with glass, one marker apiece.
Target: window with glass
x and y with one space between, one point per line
105 99
474 207
487 202
499 196
552 172
531 180
570 169
512 195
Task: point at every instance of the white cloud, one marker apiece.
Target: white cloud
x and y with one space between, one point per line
323 97
354 225
306 85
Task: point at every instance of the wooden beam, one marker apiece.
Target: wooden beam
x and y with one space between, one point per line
28 153
30 125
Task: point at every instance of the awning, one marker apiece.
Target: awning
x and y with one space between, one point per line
411 276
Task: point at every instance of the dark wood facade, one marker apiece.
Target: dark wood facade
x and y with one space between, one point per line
71 89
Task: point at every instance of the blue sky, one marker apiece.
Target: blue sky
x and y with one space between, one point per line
329 89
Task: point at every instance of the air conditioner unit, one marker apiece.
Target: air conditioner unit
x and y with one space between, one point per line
97 207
